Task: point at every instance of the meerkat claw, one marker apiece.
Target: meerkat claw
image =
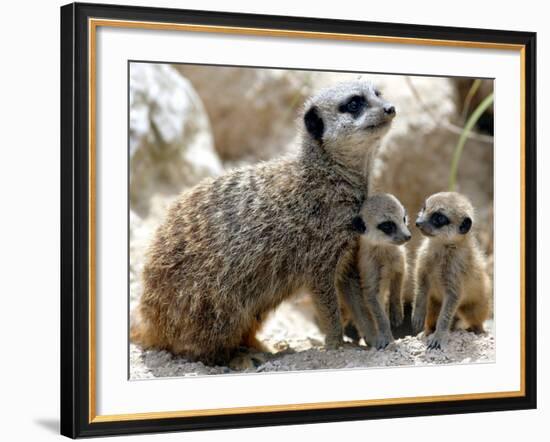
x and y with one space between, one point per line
382 342
436 341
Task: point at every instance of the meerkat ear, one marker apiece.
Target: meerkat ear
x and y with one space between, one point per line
465 226
358 224
314 123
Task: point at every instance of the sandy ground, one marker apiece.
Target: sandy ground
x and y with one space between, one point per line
296 342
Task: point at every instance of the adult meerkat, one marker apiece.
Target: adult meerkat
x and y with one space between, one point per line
381 261
451 278
231 249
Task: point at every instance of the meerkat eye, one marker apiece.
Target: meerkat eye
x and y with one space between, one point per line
388 227
354 105
439 220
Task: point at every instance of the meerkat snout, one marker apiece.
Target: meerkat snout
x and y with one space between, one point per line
389 109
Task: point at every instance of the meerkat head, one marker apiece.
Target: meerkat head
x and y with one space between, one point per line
348 120
446 216
383 220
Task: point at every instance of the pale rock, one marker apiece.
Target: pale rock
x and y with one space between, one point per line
171 145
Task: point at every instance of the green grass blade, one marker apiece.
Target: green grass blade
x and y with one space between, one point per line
469 97
472 120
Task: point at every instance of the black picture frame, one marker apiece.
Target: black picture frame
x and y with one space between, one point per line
75 220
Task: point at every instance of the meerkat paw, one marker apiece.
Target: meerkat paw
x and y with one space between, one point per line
477 329
437 341
396 316
382 341
350 345
334 343
247 360
417 323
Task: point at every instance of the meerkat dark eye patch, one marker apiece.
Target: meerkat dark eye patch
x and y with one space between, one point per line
358 224
439 220
388 227
465 226
314 123
354 105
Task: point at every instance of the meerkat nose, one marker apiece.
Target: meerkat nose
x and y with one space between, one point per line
389 109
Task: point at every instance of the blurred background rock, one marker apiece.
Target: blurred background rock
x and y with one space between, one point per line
188 122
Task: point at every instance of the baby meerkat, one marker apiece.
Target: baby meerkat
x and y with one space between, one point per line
451 277
381 261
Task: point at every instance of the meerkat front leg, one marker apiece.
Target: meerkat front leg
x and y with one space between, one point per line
396 300
420 303
446 315
432 313
349 288
372 289
328 310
